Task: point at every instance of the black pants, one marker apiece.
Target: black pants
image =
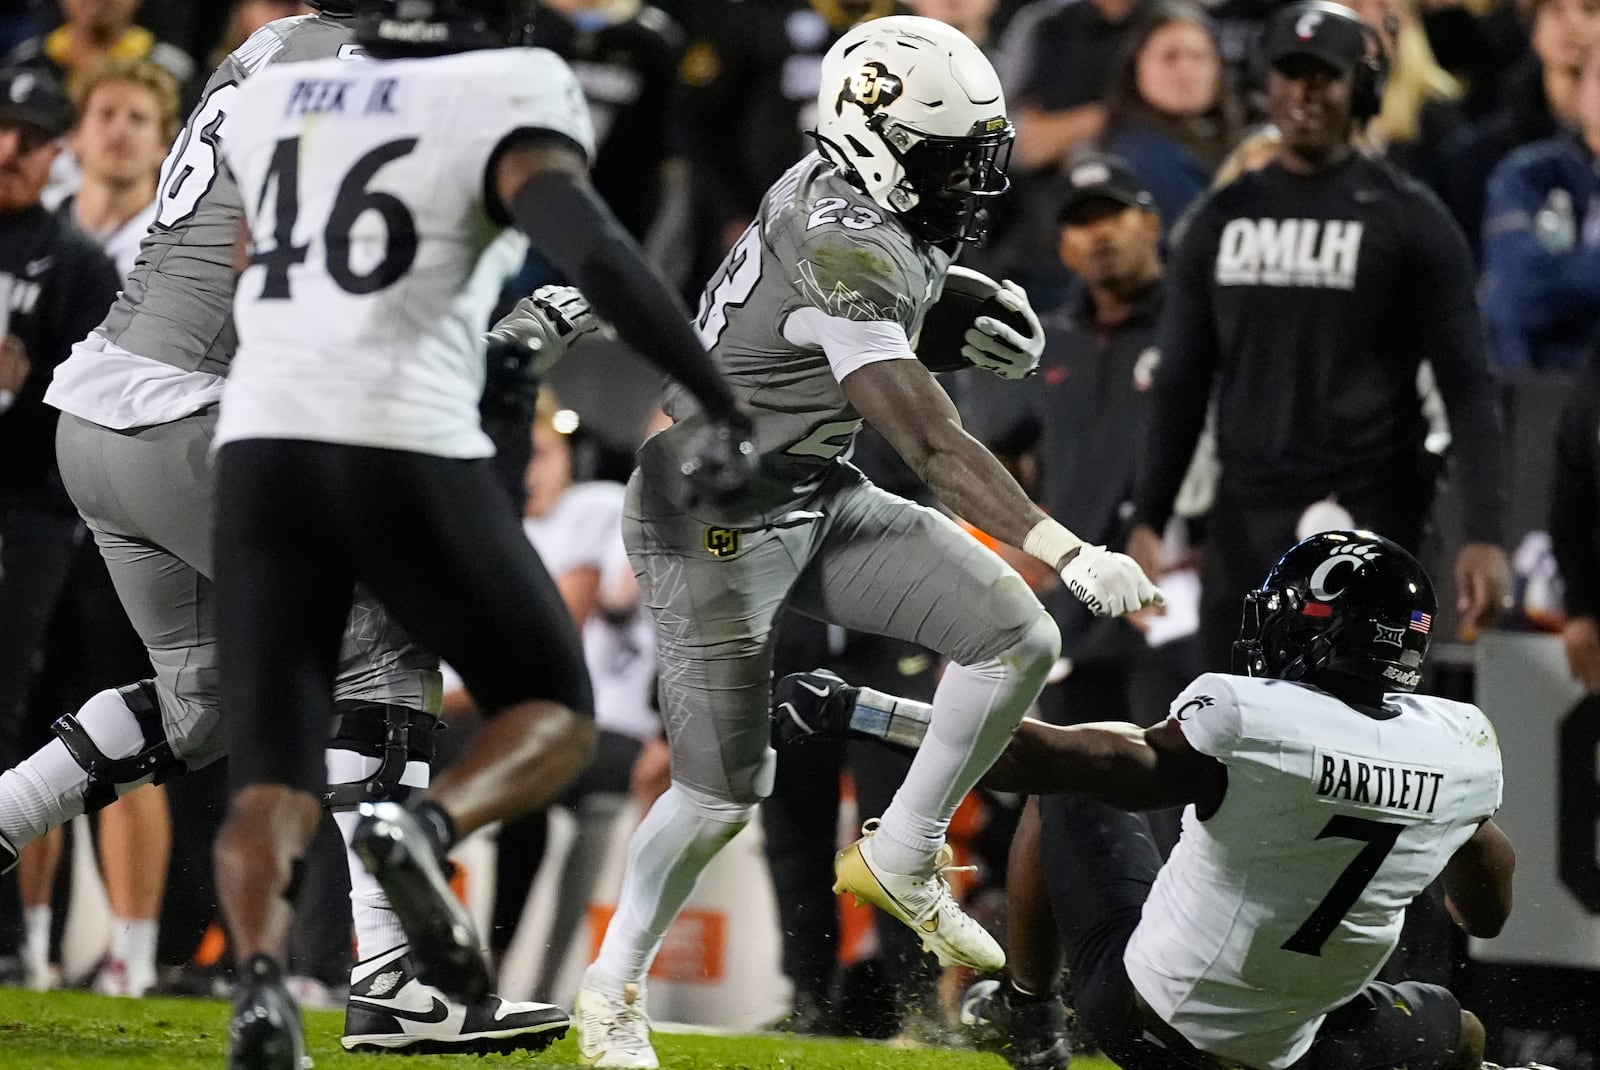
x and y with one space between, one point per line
1102 868
300 523
1244 539
37 552
800 819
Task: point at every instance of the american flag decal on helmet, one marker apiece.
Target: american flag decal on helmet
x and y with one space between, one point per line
1421 622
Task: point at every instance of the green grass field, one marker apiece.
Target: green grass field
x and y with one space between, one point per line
69 1031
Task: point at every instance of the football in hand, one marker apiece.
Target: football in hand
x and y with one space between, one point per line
967 295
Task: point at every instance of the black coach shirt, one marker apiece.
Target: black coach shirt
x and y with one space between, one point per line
59 284
1307 303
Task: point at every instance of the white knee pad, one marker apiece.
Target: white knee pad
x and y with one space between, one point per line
711 808
1036 650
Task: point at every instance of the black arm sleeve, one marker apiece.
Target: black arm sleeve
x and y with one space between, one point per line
1187 339
1575 500
1449 333
575 229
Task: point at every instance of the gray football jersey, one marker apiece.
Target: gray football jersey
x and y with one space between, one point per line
177 305
816 242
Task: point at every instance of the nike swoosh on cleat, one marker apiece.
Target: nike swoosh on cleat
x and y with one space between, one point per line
788 707
820 692
433 1016
930 924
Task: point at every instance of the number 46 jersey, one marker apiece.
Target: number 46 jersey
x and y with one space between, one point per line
1284 903
376 252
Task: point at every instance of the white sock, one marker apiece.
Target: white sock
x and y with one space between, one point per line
36 937
133 940
671 847
45 790
377 928
976 708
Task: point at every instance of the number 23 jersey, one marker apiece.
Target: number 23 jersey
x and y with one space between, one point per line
823 282
376 257
1284 903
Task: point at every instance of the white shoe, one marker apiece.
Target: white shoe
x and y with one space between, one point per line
614 1032
44 976
921 901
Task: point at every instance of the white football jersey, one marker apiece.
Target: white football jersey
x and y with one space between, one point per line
374 261
583 529
1284 903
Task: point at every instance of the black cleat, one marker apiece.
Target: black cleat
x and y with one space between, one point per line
444 944
811 705
391 1010
264 1032
1031 1033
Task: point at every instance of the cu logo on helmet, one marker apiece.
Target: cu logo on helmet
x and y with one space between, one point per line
1336 570
1306 28
872 87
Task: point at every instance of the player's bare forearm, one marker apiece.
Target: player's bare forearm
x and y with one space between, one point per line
906 404
1477 881
1110 761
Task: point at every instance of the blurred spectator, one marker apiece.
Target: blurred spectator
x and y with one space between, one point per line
577 529
1477 41
1306 293
1575 523
97 32
245 18
1540 96
752 69
1062 77
127 118
1541 243
1420 110
975 18
1166 114
56 285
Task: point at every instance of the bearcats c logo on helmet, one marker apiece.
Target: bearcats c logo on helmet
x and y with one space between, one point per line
1350 556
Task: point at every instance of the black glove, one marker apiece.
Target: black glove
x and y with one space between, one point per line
723 461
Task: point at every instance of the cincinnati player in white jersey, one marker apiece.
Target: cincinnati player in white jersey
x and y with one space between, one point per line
812 317
139 407
380 199
1321 797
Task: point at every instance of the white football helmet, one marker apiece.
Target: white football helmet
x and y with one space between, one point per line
912 112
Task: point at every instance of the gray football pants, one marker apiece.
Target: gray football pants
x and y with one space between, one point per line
858 557
148 495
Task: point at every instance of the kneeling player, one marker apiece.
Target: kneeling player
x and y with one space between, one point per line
1322 798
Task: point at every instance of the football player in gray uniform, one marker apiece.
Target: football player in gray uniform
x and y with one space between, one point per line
139 406
812 317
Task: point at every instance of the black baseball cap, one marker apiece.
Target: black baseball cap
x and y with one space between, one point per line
1325 31
1102 177
35 98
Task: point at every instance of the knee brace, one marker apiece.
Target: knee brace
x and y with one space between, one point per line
108 778
394 735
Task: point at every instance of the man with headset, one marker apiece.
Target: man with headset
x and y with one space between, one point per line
1305 294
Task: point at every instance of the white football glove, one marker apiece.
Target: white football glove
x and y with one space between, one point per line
998 347
1109 584
547 322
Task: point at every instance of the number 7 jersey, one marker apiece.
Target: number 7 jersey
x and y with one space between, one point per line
1284 903
376 253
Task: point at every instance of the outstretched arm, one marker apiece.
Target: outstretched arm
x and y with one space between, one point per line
903 401
541 184
1129 767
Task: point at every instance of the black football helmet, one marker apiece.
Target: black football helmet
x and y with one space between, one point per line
1348 602
339 9
438 27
